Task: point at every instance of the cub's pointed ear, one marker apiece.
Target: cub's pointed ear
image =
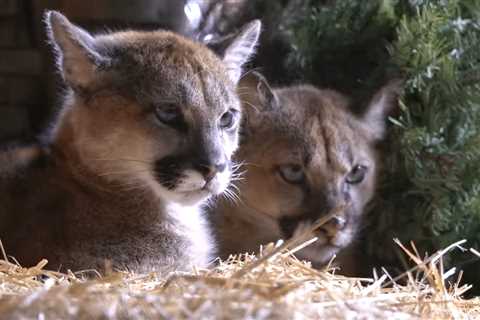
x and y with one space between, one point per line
258 98
236 50
254 88
267 96
381 106
77 58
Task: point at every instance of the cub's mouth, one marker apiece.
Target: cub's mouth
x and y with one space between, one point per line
318 255
332 237
188 185
193 182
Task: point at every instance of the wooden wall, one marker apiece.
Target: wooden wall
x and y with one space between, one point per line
29 87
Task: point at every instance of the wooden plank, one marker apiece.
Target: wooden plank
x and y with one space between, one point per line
139 11
21 62
13 120
13 33
21 90
9 7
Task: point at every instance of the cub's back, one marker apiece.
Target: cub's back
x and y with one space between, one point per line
31 196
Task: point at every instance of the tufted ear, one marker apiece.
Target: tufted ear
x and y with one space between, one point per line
76 56
381 106
236 50
259 100
256 94
266 97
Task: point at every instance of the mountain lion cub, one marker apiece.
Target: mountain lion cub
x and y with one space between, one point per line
145 136
304 153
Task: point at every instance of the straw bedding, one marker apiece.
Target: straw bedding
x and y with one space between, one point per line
274 285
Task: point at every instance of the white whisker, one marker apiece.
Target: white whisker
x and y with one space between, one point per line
120 159
112 173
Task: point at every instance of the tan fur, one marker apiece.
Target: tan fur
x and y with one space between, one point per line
96 191
312 128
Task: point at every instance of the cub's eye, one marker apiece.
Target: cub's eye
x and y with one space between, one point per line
356 175
292 173
167 114
228 119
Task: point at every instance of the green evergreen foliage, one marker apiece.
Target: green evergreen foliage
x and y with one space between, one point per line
432 196
341 45
431 191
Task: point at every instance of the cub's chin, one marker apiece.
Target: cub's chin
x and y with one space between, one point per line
321 252
318 255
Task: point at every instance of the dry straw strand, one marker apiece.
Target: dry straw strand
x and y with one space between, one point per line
274 284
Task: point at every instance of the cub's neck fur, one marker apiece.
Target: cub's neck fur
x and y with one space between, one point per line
303 153
145 137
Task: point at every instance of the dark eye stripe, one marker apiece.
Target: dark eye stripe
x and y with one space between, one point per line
171 116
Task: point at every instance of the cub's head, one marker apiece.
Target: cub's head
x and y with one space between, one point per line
151 109
305 154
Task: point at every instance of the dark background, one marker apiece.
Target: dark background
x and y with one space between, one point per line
30 90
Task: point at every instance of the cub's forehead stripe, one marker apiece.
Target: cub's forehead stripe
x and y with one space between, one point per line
212 92
189 91
331 146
